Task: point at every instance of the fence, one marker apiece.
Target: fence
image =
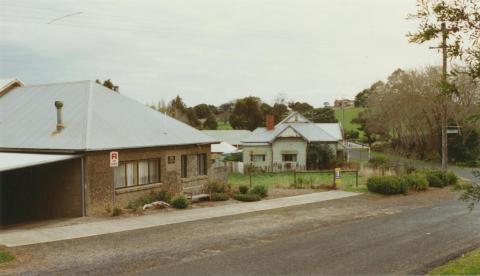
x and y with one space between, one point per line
297 179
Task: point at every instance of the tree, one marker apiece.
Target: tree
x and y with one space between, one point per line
109 84
302 108
462 19
202 111
320 156
247 114
279 111
211 122
362 97
322 115
362 121
178 110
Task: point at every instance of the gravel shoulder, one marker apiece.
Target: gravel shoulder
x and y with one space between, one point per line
174 245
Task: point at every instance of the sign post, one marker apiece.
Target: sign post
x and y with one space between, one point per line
113 159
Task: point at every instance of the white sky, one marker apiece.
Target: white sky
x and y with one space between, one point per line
211 51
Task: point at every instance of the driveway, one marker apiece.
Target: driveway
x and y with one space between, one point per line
367 234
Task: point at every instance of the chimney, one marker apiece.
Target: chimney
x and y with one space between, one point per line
59 106
270 122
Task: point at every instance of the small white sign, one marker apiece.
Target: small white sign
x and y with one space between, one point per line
452 131
113 159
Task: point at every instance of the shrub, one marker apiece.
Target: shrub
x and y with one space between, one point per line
247 197
417 182
243 189
164 196
180 201
218 187
116 212
452 178
260 190
219 197
387 185
378 161
436 178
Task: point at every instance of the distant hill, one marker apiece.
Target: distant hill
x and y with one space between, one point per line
350 113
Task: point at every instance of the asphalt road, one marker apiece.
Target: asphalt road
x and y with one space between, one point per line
409 242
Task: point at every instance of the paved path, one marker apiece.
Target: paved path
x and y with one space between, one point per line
410 242
34 236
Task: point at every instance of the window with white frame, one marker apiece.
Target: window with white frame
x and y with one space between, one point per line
133 173
257 158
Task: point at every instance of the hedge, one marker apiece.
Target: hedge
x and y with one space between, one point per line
247 197
417 182
387 185
219 197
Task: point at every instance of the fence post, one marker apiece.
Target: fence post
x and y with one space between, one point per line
295 178
333 173
356 178
250 176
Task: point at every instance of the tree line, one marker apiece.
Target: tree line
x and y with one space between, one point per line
244 113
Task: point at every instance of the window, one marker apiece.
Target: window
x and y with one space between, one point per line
119 176
184 166
202 164
289 157
133 173
257 158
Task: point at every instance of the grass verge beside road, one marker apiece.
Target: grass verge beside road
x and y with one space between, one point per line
6 257
465 265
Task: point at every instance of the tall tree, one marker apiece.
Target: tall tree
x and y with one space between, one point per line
322 115
279 111
247 114
302 108
462 19
202 111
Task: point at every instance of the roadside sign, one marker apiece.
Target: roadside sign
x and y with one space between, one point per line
113 159
452 131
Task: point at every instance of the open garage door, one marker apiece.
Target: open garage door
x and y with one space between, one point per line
39 186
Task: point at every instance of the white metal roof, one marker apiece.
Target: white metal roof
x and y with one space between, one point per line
11 161
223 147
311 132
4 83
233 137
95 118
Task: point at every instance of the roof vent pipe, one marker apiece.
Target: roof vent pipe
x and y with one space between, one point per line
59 106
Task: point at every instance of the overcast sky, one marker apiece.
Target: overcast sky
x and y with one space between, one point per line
211 51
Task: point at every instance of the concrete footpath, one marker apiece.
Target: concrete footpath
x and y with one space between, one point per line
13 238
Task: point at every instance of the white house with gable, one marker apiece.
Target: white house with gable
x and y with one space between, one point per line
284 146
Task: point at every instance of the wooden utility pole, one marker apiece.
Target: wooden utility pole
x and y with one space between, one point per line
444 97
444 100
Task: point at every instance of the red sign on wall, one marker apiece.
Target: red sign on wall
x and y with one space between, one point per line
113 159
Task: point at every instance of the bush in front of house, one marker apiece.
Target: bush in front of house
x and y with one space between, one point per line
437 178
387 185
243 189
219 197
417 182
218 187
164 196
260 190
180 201
247 197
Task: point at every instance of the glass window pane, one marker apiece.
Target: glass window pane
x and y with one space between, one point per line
119 176
131 173
143 172
154 171
184 166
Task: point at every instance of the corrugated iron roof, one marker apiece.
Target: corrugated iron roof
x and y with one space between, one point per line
95 118
312 132
233 137
12 161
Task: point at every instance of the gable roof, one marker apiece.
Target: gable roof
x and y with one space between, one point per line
8 84
233 137
311 132
95 118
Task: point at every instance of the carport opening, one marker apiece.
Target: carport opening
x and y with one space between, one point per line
48 191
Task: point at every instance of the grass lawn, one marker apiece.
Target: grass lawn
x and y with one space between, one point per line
223 126
5 257
467 265
304 180
350 113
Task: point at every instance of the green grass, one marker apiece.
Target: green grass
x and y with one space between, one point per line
467 265
304 180
6 257
223 126
350 113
